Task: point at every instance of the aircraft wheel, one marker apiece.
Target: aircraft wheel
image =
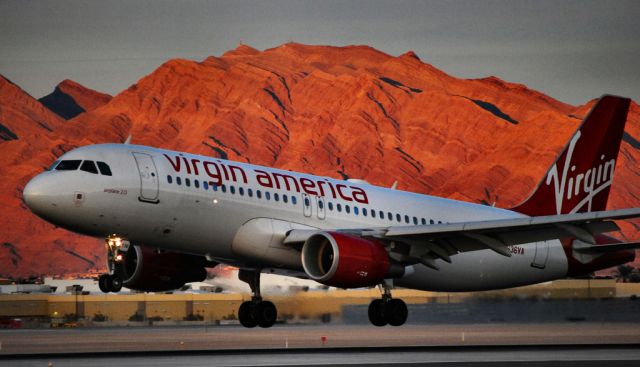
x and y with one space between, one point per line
377 314
114 283
103 283
266 314
396 312
246 315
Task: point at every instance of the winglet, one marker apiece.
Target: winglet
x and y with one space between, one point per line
128 141
580 179
395 185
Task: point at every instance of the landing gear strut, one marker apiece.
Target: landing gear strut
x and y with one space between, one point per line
255 312
116 248
392 311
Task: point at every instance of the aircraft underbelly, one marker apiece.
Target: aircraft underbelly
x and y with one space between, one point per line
485 269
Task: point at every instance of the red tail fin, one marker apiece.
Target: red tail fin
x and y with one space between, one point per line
580 179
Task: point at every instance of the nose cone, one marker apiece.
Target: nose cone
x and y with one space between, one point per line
35 194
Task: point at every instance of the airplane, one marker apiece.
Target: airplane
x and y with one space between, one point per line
166 216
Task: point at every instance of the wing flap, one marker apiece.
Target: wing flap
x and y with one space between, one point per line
603 249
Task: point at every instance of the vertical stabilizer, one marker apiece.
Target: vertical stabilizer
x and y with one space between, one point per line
580 179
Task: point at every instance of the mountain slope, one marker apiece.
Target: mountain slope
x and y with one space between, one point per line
69 99
351 112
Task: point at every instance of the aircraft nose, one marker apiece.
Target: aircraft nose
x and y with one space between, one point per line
34 194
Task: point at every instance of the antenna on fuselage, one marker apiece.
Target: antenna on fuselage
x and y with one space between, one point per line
128 141
395 184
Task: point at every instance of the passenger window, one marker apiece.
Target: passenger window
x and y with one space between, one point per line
398 218
178 180
307 202
355 210
196 184
187 182
214 186
267 195
169 179
259 194
423 221
373 214
205 185
276 197
389 215
71 165
330 205
347 209
241 191
415 220
381 214
364 211
294 201
250 193
406 218
104 168
285 198
339 207
232 189
223 188
431 221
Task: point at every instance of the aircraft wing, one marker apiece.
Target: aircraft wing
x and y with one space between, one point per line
425 243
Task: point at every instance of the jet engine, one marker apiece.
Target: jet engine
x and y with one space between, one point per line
147 269
344 261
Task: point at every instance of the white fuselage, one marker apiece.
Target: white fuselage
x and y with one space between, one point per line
143 202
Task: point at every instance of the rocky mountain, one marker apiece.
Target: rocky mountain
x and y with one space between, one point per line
69 99
335 111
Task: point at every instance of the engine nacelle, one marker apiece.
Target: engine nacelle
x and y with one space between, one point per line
344 261
146 269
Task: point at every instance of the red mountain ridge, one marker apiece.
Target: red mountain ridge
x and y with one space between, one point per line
335 111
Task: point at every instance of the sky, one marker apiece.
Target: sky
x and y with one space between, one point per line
571 50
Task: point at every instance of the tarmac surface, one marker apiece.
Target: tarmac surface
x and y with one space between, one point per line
583 344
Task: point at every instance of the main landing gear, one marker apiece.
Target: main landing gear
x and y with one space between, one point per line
112 281
392 311
255 312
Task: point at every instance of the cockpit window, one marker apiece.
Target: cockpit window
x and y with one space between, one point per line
70 165
89 166
53 166
104 168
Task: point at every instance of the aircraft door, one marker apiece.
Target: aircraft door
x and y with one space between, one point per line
148 178
320 204
306 205
541 255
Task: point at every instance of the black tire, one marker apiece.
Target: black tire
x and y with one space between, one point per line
396 312
114 283
103 283
246 315
377 314
266 314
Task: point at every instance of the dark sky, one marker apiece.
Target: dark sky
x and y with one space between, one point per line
572 50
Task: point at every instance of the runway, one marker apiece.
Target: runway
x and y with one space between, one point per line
535 344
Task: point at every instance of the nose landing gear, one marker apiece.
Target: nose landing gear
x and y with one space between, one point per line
255 312
110 283
116 248
392 311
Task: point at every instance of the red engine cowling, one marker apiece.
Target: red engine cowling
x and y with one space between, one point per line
344 261
146 269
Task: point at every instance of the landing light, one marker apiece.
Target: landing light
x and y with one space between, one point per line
119 257
215 201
